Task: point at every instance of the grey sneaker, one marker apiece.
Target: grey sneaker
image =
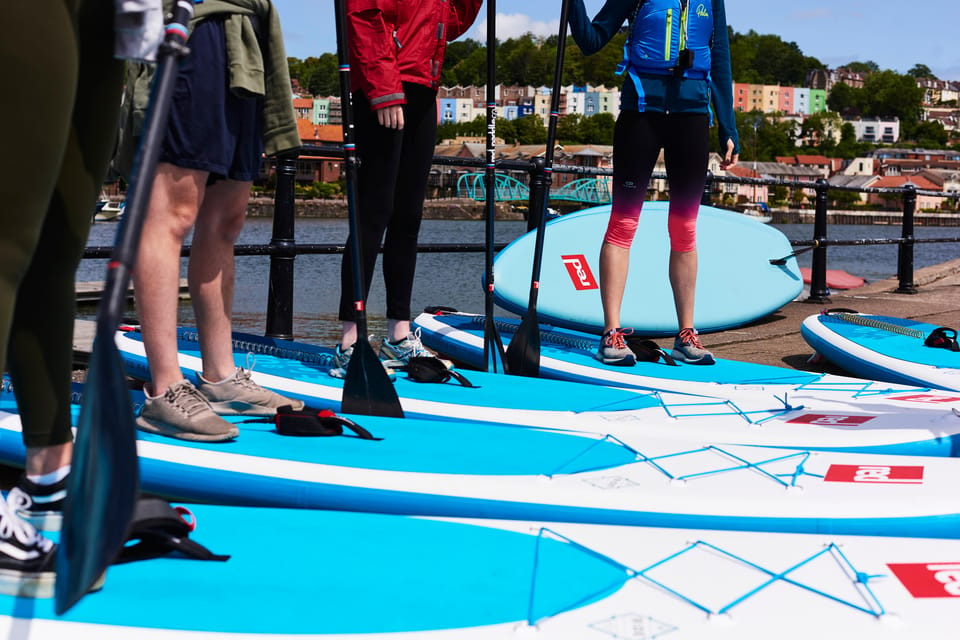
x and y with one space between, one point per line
687 348
613 348
409 347
183 412
341 358
239 395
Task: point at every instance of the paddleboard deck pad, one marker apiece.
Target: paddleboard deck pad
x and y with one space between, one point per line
736 282
326 574
884 348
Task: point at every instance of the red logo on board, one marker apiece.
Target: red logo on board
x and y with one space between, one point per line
830 420
922 580
927 397
874 474
580 272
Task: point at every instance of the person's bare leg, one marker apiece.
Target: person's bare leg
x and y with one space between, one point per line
683 280
43 460
211 273
397 329
349 336
614 265
174 202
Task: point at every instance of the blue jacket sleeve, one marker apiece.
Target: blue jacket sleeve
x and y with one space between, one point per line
589 35
721 78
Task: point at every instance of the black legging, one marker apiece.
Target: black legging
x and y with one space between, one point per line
637 141
58 121
392 184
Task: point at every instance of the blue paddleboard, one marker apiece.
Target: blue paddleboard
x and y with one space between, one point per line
421 467
865 415
736 284
874 425
883 348
325 574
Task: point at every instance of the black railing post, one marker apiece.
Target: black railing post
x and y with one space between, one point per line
539 183
905 253
707 189
818 268
283 251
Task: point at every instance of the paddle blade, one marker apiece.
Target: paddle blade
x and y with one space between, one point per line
494 355
523 352
367 389
104 478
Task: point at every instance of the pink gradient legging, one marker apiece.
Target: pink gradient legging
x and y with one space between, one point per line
637 140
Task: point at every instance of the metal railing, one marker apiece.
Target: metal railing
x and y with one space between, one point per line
283 248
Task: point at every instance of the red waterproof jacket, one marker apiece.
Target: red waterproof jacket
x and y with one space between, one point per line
396 41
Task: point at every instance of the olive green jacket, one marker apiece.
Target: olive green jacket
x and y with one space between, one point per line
253 71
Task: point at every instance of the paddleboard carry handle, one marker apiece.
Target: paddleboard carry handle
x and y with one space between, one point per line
943 338
312 422
430 369
160 529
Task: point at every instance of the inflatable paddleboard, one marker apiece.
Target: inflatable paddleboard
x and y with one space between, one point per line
736 284
468 470
316 574
569 355
300 370
883 348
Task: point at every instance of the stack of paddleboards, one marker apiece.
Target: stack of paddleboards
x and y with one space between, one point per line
605 512
737 281
886 348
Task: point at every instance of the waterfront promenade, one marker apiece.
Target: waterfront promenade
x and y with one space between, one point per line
775 339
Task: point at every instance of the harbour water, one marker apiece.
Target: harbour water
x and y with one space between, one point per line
454 279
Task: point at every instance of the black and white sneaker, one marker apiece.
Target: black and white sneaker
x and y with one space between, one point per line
26 558
39 504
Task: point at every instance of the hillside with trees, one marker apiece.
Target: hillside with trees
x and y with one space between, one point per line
756 59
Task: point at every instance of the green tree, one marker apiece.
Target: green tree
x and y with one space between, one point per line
597 129
921 71
530 130
862 67
568 129
767 59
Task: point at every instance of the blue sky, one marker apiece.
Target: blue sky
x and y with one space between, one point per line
893 33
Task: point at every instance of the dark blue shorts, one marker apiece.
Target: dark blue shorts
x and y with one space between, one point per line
211 128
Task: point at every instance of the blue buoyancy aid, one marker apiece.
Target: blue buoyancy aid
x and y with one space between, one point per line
668 37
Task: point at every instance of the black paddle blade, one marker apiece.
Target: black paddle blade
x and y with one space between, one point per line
494 357
104 478
367 389
523 352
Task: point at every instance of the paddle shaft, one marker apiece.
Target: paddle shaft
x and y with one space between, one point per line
351 163
104 479
523 355
493 354
367 388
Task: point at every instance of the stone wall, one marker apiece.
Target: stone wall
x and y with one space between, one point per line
447 209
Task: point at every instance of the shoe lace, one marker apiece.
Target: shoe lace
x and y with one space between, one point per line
187 399
19 500
13 527
615 338
689 336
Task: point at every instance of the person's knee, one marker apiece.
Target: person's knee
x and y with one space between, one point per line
683 233
621 229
